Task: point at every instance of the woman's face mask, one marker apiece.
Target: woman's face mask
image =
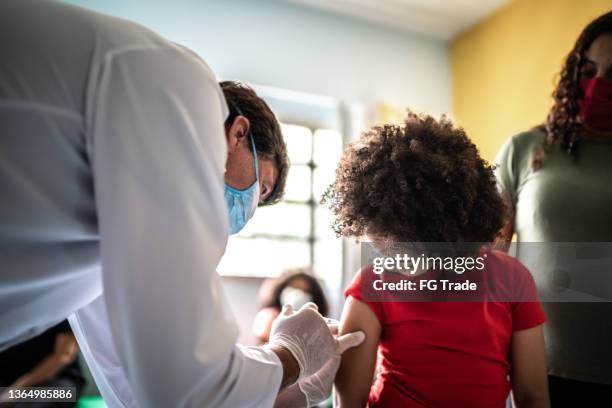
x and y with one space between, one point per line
596 104
241 204
294 297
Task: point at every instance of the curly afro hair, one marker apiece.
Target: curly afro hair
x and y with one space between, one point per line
563 125
420 182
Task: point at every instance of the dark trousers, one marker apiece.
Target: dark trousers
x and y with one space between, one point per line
571 393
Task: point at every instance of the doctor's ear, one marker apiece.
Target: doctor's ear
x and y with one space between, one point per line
237 133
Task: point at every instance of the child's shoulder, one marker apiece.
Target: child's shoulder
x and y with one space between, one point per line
501 260
362 277
361 288
513 281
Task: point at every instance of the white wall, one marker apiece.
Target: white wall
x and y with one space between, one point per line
272 43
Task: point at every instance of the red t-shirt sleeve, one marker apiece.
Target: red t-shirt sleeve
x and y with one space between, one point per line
527 311
355 289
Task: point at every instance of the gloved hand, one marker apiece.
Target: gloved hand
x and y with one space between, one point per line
316 350
306 335
318 386
315 389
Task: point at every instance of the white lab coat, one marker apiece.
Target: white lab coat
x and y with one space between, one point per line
112 154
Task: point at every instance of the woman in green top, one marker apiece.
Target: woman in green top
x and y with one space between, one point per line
557 180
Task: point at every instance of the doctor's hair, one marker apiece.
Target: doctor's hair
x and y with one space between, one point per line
420 182
562 125
269 142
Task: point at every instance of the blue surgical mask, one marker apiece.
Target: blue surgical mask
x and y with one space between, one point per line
241 204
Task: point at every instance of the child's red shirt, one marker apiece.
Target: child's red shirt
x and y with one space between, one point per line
448 353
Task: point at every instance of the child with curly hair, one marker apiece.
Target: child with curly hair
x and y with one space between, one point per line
424 182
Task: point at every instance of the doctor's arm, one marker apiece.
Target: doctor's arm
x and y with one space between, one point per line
158 152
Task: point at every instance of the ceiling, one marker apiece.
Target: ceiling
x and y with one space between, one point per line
442 19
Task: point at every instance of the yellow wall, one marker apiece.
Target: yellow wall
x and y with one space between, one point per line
503 69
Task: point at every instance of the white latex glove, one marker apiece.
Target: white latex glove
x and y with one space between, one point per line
306 335
318 386
311 390
315 389
316 349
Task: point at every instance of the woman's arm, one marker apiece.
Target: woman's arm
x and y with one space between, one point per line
528 372
262 324
506 173
354 377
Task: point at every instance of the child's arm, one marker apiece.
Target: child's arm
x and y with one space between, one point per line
354 377
528 373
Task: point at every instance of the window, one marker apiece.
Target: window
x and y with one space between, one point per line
297 231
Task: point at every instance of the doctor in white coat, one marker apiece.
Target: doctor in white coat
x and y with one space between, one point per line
120 158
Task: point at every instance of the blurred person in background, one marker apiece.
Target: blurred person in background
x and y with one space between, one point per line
556 179
295 287
47 360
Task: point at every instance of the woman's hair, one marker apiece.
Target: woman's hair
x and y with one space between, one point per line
420 182
271 291
562 125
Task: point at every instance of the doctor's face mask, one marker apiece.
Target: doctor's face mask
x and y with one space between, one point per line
241 204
